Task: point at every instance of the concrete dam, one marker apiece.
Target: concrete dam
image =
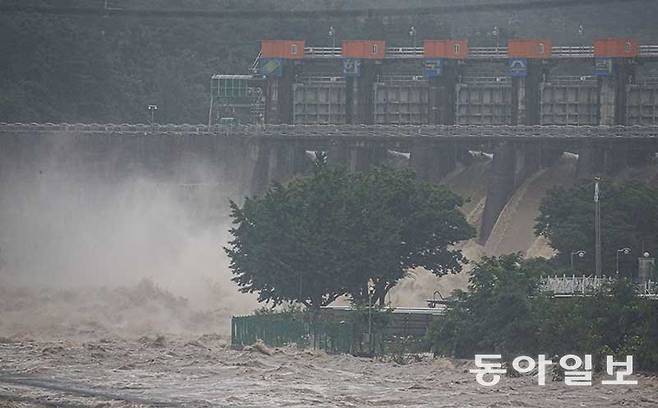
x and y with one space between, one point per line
249 158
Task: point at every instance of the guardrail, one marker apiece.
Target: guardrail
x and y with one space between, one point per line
404 52
649 50
573 52
321 78
493 80
322 52
487 52
375 132
572 79
105 127
577 51
573 285
566 286
401 78
646 81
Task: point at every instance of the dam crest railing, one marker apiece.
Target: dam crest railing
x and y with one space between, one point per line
356 131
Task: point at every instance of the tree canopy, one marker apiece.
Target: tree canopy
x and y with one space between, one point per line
338 233
504 312
628 219
494 314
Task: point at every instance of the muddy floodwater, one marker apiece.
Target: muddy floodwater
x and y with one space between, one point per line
204 372
88 282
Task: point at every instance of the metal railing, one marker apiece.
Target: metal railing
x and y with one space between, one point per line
573 285
305 79
254 65
572 79
648 50
577 51
322 52
649 288
375 132
486 80
573 51
487 52
401 78
566 286
646 81
404 52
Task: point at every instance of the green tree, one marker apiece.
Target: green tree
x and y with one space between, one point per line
397 224
503 312
338 233
495 315
628 219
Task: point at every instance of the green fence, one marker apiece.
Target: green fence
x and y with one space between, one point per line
282 329
354 332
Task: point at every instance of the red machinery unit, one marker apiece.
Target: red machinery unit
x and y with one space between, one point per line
282 49
364 49
451 49
616 47
532 49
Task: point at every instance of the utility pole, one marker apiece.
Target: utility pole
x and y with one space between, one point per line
332 35
597 227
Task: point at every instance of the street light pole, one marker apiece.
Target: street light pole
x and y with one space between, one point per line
370 293
332 35
581 253
597 227
495 33
152 109
624 251
412 34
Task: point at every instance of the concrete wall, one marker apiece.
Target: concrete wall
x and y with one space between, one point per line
453 98
466 93
252 160
279 96
432 161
